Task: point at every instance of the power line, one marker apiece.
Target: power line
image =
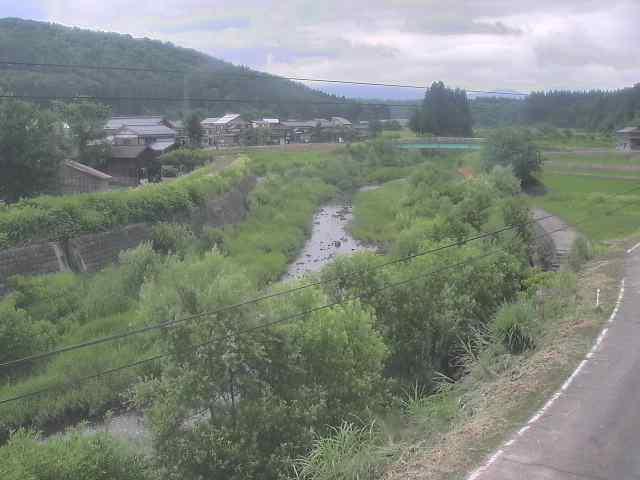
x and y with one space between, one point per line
256 75
81 98
298 315
173 323
285 319
176 322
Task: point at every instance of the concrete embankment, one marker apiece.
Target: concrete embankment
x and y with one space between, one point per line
92 252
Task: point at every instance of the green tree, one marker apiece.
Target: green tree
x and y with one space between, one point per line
443 112
30 150
194 130
86 121
513 148
375 128
19 334
258 397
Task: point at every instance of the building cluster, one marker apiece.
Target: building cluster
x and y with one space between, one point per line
136 142
232 130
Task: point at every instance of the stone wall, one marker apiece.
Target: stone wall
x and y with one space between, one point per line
35 259
92 252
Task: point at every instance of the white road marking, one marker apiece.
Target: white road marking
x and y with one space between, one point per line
633 248
476 474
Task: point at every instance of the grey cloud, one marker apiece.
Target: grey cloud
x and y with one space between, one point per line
480 44
459 26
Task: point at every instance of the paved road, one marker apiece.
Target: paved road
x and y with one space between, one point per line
592 430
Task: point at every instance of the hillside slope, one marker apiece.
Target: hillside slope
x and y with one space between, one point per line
205 76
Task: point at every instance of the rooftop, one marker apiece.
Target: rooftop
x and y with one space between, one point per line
87 169
127 151
162 145
144 130
629 130
229 117
118 122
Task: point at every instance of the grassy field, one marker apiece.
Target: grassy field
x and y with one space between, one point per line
593 192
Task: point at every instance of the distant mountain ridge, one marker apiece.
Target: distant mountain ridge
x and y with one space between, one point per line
41 42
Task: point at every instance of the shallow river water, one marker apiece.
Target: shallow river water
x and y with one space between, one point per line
329 238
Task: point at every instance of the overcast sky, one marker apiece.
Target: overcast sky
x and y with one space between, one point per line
477 44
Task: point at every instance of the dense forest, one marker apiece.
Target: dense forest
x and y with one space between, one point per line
198 76
593 110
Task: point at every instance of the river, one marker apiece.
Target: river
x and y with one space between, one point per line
329 238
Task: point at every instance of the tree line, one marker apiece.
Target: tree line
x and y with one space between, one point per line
595 110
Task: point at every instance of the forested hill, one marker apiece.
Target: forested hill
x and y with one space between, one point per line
593 110
206 77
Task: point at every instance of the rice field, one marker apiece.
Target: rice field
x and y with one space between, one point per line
599 194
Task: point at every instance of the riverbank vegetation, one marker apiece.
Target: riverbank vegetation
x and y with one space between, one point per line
337 360
68 308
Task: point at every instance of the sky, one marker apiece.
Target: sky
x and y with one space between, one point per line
515 45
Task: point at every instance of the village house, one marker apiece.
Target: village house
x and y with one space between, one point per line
225 131
182 138
136 142
269 131
629 139
299 131
76 177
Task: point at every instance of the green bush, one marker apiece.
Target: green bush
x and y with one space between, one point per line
172 238
581 252
53 298
514 326
170 171
211 238
115 289
187 158
73 457
351 452
19 334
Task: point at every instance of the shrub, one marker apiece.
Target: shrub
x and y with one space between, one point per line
351 452
19 335
511 147
170 171
99 457
172 238
581 252
49 297
115 289
514 326
211 238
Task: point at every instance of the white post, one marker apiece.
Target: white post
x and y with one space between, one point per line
598 297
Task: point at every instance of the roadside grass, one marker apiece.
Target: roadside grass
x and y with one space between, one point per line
375 213
445 435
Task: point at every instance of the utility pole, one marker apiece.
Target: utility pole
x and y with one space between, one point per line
185 93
